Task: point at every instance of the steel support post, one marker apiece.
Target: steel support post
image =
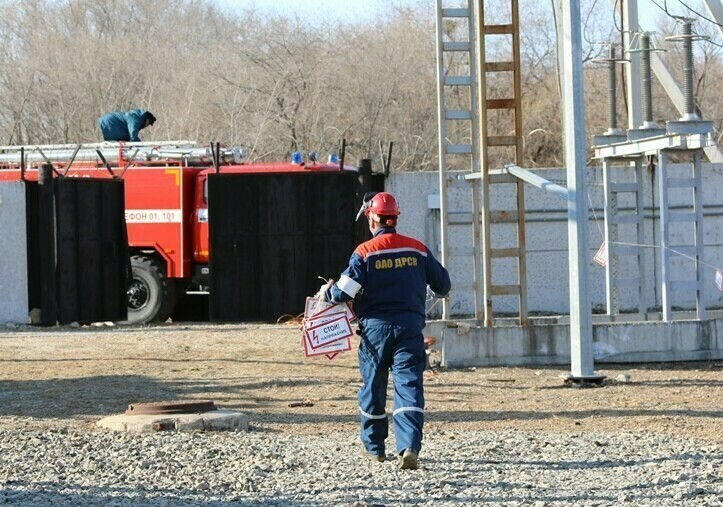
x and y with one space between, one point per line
640 206
700 298
47 232
664 236
632 70
609 210
715 7
484 289
443 183
478 275
522 256
581 355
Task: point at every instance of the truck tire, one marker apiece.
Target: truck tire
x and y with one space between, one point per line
151 296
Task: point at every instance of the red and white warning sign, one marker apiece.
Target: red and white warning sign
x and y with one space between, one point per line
315 307
601 257
719 279
327 328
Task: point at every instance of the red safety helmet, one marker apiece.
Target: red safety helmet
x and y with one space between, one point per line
382 204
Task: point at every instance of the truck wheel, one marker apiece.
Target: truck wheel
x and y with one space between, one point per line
151 296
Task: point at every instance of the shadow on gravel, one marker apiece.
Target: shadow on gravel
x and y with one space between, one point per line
61 398
306 418
111 394
181 360
461 465
472 415
694 382
677 383
49 493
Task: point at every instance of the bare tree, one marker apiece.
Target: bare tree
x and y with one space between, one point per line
276 84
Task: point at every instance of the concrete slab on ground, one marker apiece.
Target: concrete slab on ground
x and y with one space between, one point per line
215 420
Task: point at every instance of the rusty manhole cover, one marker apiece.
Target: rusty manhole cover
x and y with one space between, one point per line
170 407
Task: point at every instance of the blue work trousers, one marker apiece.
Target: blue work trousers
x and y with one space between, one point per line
401 349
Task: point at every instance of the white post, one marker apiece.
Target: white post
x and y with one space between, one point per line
632 69
715 7
574 130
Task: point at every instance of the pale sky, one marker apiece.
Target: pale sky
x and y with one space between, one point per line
342 10
359 11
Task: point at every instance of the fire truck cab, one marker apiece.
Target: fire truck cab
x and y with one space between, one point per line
166 206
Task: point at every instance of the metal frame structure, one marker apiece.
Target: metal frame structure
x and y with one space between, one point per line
657 65
481 141
464 116
619 153
481 177
686 137
616 181
689 145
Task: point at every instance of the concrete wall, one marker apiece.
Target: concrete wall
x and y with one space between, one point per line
465 344
546 237
13 254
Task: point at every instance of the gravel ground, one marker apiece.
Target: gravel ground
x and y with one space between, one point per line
494 436
459 468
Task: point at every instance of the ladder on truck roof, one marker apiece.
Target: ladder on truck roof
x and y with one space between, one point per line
190 152
104 144
463 31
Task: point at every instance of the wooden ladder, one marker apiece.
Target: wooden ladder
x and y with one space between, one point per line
465 131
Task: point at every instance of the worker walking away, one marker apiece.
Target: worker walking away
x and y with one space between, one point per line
125 126
388 276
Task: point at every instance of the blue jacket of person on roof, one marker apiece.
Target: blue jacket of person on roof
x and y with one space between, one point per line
125 126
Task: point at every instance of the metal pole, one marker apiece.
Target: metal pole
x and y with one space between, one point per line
632 70
47 245
608 210
664 224
389 159
640 229
535 180
342 154
478 275
699 236
581 356
715 7
484 274
443 183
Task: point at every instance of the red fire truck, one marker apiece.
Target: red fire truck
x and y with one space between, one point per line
166 206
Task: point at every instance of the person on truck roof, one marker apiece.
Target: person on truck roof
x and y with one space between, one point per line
121 126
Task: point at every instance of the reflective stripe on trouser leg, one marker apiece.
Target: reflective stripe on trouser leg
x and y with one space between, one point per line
374 360
409 361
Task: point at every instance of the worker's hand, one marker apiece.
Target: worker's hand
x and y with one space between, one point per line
322 290
433 295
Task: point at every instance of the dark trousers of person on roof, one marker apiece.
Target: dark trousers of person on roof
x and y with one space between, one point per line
384 347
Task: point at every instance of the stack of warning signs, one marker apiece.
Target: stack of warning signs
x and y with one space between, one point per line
327 328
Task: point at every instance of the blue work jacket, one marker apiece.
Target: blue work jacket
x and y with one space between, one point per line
120 126
388 276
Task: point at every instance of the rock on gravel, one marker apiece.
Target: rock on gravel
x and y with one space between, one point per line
510 467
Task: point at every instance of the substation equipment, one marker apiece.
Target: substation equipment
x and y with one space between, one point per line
467 104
